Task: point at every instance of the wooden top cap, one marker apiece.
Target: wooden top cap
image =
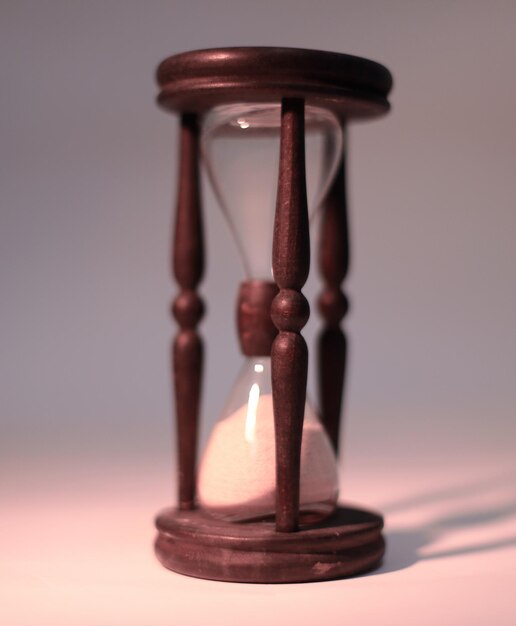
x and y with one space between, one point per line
196 81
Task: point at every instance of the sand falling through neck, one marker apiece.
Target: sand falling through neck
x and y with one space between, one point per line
237 475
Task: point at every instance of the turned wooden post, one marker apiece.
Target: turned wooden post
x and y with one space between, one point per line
290 312
188 308
333 304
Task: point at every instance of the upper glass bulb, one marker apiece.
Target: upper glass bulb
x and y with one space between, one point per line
241 145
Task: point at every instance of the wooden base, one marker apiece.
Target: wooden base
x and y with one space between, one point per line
350 542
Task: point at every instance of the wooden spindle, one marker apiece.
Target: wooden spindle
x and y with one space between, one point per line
188 308
290 312
333 305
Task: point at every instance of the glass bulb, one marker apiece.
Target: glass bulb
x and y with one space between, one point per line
240 146
237 475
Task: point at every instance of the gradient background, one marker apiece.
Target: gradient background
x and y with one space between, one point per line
87 179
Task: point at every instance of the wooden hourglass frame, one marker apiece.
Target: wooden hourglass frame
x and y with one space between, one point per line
189 540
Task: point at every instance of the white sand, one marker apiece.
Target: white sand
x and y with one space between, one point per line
237 475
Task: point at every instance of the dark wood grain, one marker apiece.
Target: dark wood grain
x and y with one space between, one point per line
256 331
290 312
192 543
201 79
188 308
333 305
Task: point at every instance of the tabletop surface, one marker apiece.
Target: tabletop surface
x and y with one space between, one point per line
76 548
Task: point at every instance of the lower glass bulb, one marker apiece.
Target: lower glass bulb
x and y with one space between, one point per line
237 475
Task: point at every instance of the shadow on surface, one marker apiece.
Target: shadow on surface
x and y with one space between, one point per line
449 493
404 546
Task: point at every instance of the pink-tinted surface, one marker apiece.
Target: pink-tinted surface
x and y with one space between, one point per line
79 552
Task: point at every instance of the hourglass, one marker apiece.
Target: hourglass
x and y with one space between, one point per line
269 126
